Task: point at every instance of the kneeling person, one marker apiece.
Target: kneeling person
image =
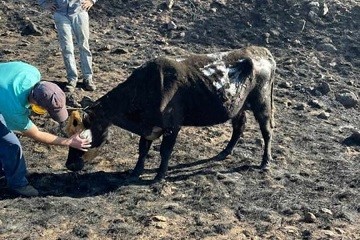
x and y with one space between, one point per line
20 91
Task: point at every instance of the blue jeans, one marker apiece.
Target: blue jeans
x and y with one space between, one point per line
77 24
11 157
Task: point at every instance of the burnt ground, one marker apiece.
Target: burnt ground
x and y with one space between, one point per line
312 189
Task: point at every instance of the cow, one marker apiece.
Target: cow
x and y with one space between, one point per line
165 93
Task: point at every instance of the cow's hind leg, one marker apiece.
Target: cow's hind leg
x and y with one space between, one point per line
166 149
144 147
263 112
238 124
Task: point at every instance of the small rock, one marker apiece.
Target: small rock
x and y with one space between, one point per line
306 234
105 48
171 25
285 85
329 234
309 217
31 29
160 225
259 141
315 104
325 9
324 115
326 47
182 34
353 139
314 5
159 218
119 51
220 2
161 40
7 51
313 17
300 106
170 3
339 231
275 32
291 229
324 88
327 211
347 99
297 42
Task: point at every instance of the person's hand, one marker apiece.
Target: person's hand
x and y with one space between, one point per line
51 7
79 143
87 4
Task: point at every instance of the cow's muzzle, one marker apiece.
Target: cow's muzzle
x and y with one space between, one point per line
75 161
75 166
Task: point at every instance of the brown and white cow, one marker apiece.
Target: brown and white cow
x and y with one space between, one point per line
164 94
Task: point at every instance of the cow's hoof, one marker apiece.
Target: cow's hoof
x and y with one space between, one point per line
264 168
159 178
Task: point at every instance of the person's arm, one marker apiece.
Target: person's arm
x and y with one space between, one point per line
44 137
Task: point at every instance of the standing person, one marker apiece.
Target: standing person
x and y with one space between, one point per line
21 90
71 17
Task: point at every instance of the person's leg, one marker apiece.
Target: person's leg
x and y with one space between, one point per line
13 162
80 26
11 157
64 30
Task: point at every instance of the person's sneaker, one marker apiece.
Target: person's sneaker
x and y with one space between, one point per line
89 85
70 86
26 191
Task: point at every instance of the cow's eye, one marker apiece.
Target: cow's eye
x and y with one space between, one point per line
75 123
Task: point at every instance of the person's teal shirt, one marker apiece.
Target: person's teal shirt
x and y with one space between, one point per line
16 82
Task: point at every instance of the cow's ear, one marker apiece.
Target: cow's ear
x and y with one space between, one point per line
86 120
86 102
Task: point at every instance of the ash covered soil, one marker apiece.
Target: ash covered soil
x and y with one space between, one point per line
312 188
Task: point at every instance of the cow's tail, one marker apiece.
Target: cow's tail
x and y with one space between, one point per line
272 79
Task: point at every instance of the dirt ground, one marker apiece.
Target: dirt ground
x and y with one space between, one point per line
312 189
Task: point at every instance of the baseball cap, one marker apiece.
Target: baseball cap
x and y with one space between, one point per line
50 96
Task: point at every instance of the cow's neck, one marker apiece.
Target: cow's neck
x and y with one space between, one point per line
112 109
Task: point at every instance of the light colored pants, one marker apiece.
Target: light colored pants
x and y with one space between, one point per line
77 24
11 157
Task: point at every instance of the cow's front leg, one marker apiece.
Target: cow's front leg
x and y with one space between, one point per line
144 147
166 149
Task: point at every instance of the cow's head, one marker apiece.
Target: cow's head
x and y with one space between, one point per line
81 121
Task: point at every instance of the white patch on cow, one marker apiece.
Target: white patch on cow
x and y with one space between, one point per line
86 134
208 71
180 59
232 89
217 85
263 66
227 76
